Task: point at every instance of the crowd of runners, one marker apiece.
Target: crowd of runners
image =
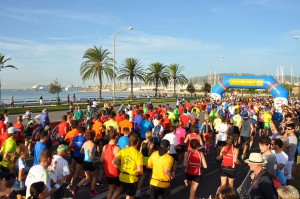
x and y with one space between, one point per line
127 143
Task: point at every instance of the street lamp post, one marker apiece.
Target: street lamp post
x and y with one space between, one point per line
210 72
114 62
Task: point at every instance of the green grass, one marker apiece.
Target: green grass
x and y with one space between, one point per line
37 109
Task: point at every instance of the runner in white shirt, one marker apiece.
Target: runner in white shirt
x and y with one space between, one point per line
222 130
39 173
59 169
171 137
281 158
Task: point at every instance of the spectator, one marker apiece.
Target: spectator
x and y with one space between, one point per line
281 159
264 146
290 143
262 184
288 192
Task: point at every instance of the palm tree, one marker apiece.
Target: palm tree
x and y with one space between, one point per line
2 66
97 65
157 74
131 69
175 72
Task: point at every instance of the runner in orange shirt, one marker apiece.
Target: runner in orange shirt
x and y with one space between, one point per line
74 132
97 127
125 123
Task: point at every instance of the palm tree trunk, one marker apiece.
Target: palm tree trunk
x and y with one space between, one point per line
131 85
156 85
100 86
174 92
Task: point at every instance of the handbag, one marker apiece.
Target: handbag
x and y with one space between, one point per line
276 182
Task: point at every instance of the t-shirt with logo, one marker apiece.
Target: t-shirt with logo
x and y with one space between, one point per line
59 168
130 159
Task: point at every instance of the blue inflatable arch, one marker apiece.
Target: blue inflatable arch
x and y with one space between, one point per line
268 83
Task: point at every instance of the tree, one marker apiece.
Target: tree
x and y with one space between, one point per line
3 60
55 88
190 88
97 64
131 69
156 74
206 88
175 72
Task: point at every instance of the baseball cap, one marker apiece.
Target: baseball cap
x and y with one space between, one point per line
12 129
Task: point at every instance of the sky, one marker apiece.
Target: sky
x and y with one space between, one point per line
47 39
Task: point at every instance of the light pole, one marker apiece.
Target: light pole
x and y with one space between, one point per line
211 66
114 62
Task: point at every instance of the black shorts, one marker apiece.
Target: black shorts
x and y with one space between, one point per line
190 177
129 188
78 160
245 140
88 166
221 143
228 172
175 156
113 180
157 191
236 130
261 125
182 149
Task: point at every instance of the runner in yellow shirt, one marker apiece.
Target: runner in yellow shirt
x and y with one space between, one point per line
130 162
162 164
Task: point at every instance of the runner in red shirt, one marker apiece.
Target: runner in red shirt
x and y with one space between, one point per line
185 119
63 128
20 134
194 160
167 124
111 172
229 156
180 108
2 124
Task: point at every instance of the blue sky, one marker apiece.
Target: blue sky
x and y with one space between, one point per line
47 39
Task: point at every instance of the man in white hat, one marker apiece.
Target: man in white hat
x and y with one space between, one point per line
262 185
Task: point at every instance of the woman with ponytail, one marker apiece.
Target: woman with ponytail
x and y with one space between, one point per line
229 156
194 160
36 190
161 163
21 171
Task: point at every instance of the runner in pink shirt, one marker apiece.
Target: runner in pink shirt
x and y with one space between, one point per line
180 134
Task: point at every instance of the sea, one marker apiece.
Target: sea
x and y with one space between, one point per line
34 95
